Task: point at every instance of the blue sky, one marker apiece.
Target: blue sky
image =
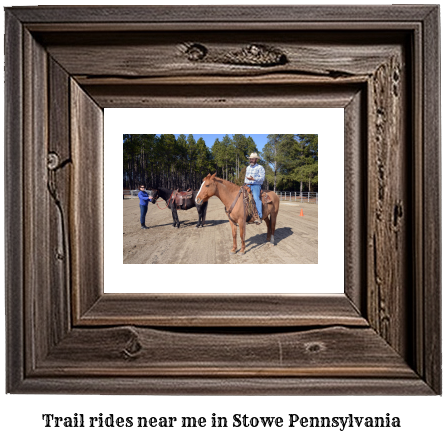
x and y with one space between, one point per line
260 139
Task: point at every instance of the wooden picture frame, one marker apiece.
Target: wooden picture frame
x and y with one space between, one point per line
65 64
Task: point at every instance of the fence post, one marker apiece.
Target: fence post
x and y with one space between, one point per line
301 197
290 196
316 197
308 196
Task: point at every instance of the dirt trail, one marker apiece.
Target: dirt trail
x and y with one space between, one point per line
296 237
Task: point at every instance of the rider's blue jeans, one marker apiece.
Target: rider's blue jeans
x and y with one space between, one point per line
255 189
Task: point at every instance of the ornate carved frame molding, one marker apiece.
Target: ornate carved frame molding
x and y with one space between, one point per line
64 65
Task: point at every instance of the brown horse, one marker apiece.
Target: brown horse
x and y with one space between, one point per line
227 192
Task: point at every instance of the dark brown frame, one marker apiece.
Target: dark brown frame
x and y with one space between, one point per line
64 65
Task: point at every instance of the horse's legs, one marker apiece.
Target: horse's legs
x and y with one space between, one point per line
273 222
241 225
199 211
234 237
175 218
268 225
204 210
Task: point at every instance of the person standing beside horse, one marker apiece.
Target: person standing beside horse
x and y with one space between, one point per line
145 199
255 175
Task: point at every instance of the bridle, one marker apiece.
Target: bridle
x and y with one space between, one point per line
204 183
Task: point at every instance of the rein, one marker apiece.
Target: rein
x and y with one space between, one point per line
169 200
167 203
233 204
160 207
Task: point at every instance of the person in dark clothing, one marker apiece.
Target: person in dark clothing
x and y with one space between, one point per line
145 199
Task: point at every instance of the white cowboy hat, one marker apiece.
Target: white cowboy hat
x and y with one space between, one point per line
254 155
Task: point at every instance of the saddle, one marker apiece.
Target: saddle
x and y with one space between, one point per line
178 198
251 207
249 203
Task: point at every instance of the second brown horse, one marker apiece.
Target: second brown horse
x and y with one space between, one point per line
227 192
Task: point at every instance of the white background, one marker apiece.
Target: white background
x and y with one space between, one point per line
20 415
324 277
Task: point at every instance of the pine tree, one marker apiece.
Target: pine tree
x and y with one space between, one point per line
304 161
227 154
192 154
275 153
217 154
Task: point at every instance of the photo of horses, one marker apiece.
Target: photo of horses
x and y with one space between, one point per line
220 198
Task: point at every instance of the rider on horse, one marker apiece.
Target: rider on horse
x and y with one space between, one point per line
255 175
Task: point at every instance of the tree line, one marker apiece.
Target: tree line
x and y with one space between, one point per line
162 160
292 162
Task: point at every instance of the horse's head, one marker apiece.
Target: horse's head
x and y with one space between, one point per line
154 194
207 189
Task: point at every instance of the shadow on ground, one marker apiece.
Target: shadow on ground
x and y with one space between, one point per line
161 225
210 223
260 239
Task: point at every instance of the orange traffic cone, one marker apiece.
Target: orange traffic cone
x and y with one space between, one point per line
301 212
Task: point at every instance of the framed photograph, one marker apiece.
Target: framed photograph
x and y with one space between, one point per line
308 247
172 167
380 64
